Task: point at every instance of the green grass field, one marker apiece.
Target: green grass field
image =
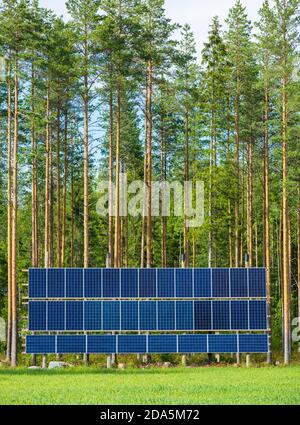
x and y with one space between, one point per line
213 385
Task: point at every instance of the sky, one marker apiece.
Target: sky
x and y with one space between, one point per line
197 13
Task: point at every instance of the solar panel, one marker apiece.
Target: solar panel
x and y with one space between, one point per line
74 283
221 315
184 283
148 316
203 283
239 315
222 344
101 344
165 283
203 315
129 315
111 283
37 283
132 343
93 283
56 316
192 344
258 315
140 344
162 344
132 300
220 283
111 315
129 286
257 283
70 344
239 283
93 316
37 316
74 316
184 315
55 283
166 316
147 283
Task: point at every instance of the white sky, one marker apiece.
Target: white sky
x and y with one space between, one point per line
197 13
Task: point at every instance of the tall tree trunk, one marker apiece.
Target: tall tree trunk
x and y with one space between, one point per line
51 203
14 302
266 207
47 180
9 211
86 176
298 249
58 200
285 224
237 167
117 243
111 179
72 209
249 205
145 184
163 178
34 237
186 178
149 156
64 213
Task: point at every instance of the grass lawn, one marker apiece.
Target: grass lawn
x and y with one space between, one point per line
214 385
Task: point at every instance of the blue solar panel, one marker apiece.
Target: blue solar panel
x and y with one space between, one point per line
239 283
220 283
221 316
74 283
68 344
222 344
93 283
257 282
132 344
239 315
165 283
148 316
74 315
147 283
162 344
192 343
56 283
203 315
129 316
106 344
92 315
111 315
184 315
129 280
56 316
40 344
111 283
253 343
37 283
202 283
258 315
101 344
166 315
37 316
184 283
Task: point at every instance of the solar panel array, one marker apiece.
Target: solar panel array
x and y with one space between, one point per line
144 344
146 300
147 315
147 283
